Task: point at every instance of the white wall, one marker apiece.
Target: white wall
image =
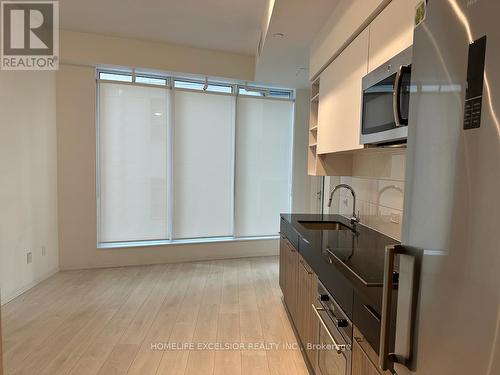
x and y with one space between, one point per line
97 50
28 190
378 180
302 184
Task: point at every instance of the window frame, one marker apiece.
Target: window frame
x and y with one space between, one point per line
170 85
202 83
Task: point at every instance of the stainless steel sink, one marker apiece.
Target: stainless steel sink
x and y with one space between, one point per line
323 225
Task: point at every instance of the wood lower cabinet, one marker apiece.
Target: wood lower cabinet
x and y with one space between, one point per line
361 364
282 272
1 352
299 285
289 259
307 323
364 358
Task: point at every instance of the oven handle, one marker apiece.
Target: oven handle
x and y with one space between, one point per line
338 348
396 97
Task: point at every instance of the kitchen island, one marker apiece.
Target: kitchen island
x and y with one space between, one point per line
344 260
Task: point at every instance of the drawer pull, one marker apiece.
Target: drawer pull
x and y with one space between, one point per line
305 267
338 348
372 312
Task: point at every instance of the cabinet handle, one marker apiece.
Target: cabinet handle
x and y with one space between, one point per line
305 267
372 312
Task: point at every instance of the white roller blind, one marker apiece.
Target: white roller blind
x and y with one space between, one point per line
203 165
263 152
132 162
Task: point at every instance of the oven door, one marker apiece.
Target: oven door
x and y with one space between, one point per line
334 352
386 100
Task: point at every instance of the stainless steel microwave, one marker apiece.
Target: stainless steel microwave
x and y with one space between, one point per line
386 101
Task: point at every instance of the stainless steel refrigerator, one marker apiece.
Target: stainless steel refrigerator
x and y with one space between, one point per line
448 308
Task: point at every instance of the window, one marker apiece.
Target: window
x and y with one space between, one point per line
280 94
132 163
196 165
115 77
200 86
128 77
251 92
263 173
203 170
151 80
272 93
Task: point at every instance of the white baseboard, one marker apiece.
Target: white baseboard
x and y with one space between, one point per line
180 260
139 256
9 297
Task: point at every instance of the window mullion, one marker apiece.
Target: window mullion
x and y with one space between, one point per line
233 158
170 163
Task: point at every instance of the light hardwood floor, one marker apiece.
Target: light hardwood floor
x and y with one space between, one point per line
104 321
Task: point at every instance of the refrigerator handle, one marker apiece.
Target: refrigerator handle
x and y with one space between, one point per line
385 328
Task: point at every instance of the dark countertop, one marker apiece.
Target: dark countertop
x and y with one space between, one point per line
360 253
350 265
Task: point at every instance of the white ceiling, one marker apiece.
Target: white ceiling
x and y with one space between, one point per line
285 61
226 25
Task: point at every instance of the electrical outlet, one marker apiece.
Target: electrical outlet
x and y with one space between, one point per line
44 251
29 257
395 218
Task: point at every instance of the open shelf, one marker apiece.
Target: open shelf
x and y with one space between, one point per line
312 155
315 88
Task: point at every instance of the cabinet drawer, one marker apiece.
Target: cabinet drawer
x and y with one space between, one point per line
333 280
287 230
367 319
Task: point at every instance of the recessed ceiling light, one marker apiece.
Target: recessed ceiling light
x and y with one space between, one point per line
278 35
157 113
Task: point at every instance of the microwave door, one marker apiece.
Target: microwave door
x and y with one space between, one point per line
378 106
385 101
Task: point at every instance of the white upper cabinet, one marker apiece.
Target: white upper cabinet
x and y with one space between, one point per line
348 18
340 98
391 31
359 36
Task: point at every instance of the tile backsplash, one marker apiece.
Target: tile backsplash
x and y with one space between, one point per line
378 180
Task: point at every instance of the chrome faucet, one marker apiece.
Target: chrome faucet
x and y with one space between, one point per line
354 218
